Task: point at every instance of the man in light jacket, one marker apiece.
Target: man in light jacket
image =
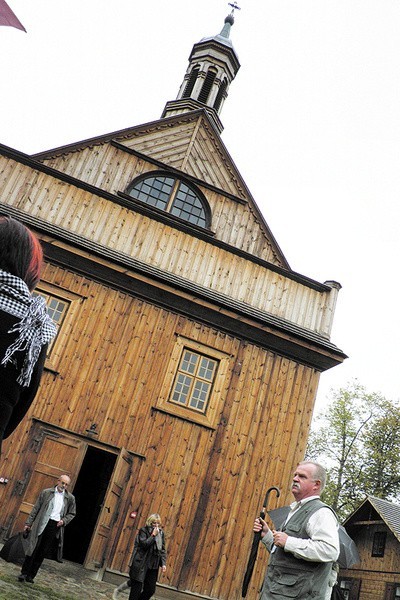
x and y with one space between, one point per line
53 510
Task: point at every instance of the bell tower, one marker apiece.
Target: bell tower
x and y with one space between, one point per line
213 65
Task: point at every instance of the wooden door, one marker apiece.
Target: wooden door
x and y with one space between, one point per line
58 453
104 533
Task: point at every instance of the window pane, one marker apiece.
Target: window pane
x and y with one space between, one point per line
207 368
182 387
153 190
55 307
345 587
200 394
187 205
194 379
189 362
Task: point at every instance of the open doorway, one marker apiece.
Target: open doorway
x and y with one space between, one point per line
89 491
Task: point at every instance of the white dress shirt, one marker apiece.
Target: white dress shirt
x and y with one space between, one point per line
57 506
322 527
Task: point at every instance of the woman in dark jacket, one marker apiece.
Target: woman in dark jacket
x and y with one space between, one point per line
148 556
25 326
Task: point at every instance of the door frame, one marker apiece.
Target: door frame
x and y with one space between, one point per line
42 431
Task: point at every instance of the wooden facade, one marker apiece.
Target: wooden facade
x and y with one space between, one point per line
375 528
140 286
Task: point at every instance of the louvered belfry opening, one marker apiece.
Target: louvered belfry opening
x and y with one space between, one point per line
207 85
191 82
220 95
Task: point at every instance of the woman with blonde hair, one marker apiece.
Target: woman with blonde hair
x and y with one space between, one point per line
148 556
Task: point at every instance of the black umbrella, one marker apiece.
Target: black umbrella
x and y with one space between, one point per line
256 541
348 556
14 549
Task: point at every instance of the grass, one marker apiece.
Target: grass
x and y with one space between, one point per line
18 591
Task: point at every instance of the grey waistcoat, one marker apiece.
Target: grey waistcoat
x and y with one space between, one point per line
290 577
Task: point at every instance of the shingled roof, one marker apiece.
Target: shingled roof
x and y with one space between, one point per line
387 511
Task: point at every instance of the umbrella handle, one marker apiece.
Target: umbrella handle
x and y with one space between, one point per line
271 489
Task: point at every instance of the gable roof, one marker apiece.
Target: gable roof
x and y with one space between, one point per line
177 147
189 143
387 511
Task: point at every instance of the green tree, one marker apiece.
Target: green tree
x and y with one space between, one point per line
381 474
358 438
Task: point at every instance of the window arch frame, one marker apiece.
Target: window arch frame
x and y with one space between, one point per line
177 181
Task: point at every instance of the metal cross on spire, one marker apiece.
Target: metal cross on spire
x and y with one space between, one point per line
234 6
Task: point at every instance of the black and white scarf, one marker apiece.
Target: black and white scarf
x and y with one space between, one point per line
35 328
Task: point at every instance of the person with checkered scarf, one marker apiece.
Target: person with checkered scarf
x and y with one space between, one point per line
25 326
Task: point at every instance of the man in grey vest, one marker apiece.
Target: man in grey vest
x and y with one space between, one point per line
53 510
303 552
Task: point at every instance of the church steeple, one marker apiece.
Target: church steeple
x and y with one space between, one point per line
213 65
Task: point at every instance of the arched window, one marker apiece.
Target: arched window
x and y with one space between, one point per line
220 95
207 85
173 195
191 81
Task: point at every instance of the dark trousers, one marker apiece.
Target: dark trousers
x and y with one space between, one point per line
149 586
32 564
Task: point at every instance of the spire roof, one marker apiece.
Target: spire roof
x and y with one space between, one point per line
213 65
223 36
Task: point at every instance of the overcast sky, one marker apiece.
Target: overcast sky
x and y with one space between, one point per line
312 122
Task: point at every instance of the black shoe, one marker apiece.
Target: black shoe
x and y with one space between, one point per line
21 577
28 579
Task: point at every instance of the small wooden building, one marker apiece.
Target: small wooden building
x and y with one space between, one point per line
375 528
184 373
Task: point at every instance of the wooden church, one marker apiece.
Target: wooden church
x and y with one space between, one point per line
184 373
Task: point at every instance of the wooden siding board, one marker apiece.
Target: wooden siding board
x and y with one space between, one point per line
126 341
238 464
187 507
257 477
238 324
74 204
11 179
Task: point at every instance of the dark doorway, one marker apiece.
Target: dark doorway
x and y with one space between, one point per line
89 491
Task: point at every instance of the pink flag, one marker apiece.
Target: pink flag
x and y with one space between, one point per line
8 18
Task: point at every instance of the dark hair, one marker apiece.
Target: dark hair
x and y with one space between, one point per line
20 251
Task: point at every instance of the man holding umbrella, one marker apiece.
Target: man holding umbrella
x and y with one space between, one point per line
303 552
